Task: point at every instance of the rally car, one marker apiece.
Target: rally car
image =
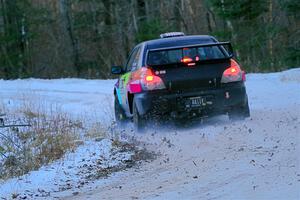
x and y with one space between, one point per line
181 77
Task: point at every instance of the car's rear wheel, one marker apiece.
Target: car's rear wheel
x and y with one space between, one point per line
240 112
119 113
138 120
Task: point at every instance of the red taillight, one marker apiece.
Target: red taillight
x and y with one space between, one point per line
233 70
146 80
149 78
186 59
151 81
233 73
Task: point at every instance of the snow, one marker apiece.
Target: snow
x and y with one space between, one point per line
65 173
82 98
274 90
254 159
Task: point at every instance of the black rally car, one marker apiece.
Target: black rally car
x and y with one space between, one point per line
181 77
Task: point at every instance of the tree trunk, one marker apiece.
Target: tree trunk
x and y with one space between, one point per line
65 6
270 35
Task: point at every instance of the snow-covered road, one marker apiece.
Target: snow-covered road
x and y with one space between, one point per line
254 159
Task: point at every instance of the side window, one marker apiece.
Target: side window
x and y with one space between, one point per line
134 59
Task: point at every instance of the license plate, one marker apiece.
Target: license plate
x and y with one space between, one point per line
195 102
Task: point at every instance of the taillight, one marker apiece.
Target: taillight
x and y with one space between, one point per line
233 73
146 80
149 81
186 59
149 78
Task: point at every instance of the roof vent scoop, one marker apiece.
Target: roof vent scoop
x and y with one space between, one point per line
172 34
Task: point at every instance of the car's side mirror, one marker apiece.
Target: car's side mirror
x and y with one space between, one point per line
117 70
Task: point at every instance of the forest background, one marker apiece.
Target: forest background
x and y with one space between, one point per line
83 38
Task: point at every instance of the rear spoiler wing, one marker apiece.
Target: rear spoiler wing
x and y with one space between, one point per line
228 44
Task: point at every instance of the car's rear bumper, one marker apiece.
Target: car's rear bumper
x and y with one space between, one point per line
217 101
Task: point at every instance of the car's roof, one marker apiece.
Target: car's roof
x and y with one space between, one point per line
179 41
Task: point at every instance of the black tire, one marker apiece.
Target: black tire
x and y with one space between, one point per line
246 111
138 121
119 113
239 113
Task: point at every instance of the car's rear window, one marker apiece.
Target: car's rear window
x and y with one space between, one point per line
161 57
